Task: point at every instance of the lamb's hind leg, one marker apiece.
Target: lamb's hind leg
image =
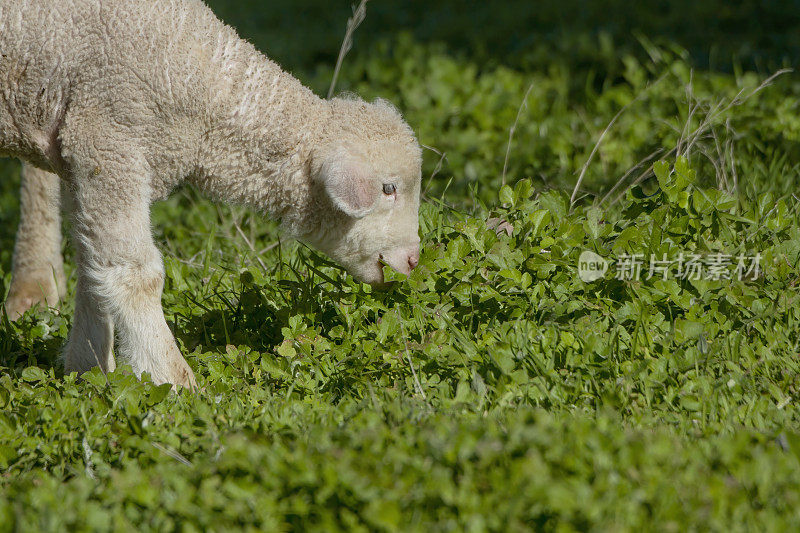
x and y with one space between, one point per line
37 269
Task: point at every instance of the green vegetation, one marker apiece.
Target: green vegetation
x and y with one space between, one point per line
492 389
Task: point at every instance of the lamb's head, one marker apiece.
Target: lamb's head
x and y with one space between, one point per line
366 180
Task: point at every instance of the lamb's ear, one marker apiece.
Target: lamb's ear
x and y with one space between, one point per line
348 181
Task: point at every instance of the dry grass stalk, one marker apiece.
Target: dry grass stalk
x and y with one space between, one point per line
359 14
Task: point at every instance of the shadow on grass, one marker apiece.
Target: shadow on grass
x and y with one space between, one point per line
9 211
34 340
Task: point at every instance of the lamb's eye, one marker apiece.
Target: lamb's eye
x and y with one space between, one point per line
389 189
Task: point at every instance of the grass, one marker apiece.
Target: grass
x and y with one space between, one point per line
492 389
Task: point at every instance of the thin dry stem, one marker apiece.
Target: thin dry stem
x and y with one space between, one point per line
359 14
523 105
689 138
417 384
437 168
602 136
172 453
591 155
630 171
249 244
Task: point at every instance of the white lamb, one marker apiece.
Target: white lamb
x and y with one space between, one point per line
122 100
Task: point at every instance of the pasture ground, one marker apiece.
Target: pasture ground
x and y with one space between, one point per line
493 389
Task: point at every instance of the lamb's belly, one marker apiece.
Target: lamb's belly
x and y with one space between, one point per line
161 190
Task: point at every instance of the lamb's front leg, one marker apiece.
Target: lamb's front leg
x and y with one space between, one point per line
120 271
37 270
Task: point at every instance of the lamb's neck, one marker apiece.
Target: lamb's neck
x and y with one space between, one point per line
265 125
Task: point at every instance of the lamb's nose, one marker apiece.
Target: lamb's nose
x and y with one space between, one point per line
413 260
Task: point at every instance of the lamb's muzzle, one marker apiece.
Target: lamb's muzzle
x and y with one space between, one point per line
403 260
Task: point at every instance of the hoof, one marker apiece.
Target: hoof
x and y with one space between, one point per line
180 376
186 380
28 293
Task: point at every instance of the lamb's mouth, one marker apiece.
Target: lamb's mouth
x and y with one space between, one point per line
381 263
380 282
